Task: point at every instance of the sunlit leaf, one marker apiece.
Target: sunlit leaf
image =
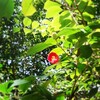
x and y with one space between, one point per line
35 24
69 1
5 87
68 31
26 30
41 46
45 21
19 82
52 8
72 75
27 21
87 16
56 23
65 19
55 12
27 7
50 3
58 66
58 50
60 97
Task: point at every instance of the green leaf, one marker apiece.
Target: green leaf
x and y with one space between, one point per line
48 68
96 45
49 4
52 8
37 48
68 31
51 40
87 16
64 58
66 44
46 21
26 30
81 67
80 42
69 2
38 93
26 85
44 92
72 75
58 50
35 24
90 10
27 8
16 29
1 98
87 29
96 34
62 20
60 97
95 25
82 5
85 51
6 8
53 11
5 87
34 95
27 21
41 46
55 23
19 82
1 65
58 66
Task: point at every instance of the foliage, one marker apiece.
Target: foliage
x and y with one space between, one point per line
13 45
69 28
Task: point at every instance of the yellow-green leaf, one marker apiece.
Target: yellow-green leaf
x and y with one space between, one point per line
41 46
26 30
52 8
27 8
35 24
27 21
56 23
69 1
58 50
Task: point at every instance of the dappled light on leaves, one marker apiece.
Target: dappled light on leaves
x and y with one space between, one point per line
49 50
